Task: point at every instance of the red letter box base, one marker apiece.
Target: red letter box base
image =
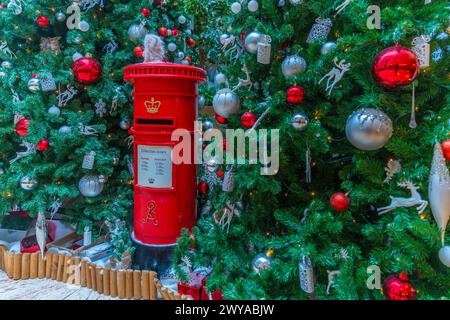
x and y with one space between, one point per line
157 258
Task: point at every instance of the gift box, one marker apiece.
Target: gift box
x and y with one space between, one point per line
196 288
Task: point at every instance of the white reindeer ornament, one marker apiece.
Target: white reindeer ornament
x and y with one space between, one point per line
414 200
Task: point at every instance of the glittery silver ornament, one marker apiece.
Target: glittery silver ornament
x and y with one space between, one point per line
136 32
368 129
328 47
293 65
320 30
6 64
90 186
172 47
27 183
207 125
181 19
65 130
124 124
226 103
262 261
236 7
34 85
299 122
60 17
306 275
54 110
83 26
252 5
181 55
251 41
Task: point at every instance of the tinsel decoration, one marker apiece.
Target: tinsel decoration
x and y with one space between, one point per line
306 273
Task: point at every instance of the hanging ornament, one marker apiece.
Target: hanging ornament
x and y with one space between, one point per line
60 17
226 103
248 119
299 122
136 32
65 130
146 12
34 84
281 3
172 47
100 108
399 288
6 64
263 261
444 255
162 31
90 186
393 166
320 30
221 120
445 145
83 26
395 67
295 95
48 83
43 21
293 65
54 110
421 49
220 79
125 124
181 19
27 183
203 188
207 125
22 126
439 190
87 70
77 56
339 201
251 41
65 96
236 7
228 180
88 160
328 47
264 49
43 145
414 200
191 42
336 74
306 275
368 129
87 236
138 52
253 6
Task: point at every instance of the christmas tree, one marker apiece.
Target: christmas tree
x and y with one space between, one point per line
65 109
356 125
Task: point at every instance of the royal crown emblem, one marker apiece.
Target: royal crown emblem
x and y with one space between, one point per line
152 106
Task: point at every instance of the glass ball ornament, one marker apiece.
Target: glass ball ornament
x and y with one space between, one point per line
236 7
76 56
146 12
368 129
136 32
295 95
34 85
60 17
253 6
43 21
399 288
54 111
339 201
223 38
90 186
220 78
262 261
6 64
226 103
83 26
207 125
293 65
181 19
87 70
248 119
251 41
328 47
124 124
43 145
444 255
221 120
65 130
28 183
299 122
201 101
172 47
180 55
21 127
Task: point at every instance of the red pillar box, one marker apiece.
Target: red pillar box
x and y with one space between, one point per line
165 99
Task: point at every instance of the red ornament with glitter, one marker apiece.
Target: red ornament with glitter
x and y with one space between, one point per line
399 288
295 95
339 201
445 145
22 126
43 21
248 119
87 70
395 67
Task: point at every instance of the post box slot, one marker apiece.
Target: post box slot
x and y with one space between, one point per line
167 122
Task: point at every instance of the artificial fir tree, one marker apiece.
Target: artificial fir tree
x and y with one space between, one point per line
306 66
63 98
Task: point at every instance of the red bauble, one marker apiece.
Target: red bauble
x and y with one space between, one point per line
2 5
339 201
395 67
188 59
174 32
22 126
203 188
399 288
43 21
221 120
191 42
87 70
43 145
162 31
220 173
248 119
139 52
445 145
295 94
146 12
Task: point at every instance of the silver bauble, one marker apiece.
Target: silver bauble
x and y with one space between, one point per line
136 32
54 111
226 103
77 56
181 55
28 183
201 101
125 124
299 122
281 3
60 17
6 64
236 7
223 38
220 78
253 5
185 62
368 129
262 262
181 19
34 85
90 186
171 47
293 65
444 255
328 47
65 129
251 41
207 125
83 26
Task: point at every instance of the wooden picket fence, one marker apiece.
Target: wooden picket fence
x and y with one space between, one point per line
124 284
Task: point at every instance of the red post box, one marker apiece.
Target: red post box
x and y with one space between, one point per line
165 99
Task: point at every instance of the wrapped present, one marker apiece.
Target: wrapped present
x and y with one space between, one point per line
196 287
